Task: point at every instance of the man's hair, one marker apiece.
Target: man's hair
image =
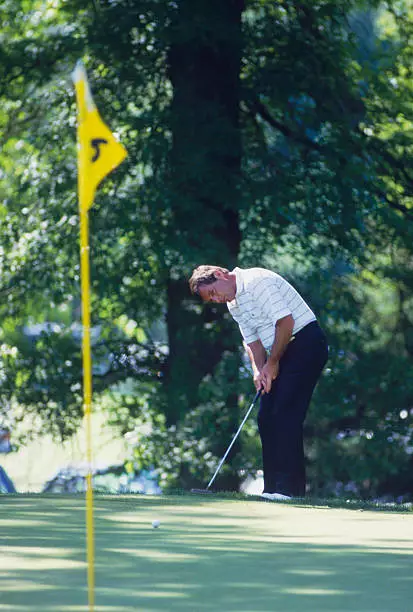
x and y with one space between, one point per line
204 275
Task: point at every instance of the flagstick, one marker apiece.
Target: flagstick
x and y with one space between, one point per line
98 154
87 397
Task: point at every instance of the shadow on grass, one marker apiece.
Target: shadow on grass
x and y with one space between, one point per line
207 555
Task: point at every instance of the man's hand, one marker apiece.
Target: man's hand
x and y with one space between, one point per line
257 380
268 373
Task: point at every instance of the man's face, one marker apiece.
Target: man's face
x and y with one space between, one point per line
221 291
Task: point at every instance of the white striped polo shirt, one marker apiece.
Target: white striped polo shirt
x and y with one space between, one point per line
262 298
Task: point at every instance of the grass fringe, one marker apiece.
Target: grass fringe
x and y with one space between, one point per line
305 502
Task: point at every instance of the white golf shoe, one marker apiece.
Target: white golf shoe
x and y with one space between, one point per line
275 496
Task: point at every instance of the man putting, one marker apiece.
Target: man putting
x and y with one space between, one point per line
287 350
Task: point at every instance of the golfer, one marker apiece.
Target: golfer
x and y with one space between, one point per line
287 350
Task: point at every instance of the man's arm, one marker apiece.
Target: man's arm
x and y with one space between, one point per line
283 331
257 356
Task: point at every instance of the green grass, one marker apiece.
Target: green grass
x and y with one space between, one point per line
212 553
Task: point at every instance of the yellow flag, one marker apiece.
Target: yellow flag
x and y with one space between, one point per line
98 150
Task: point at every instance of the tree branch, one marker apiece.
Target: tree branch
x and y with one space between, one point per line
257 107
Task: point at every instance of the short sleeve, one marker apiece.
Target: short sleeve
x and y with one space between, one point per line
269 300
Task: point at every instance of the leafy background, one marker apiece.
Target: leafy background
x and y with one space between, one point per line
259 132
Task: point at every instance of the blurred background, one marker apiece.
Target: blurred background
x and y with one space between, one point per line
264 133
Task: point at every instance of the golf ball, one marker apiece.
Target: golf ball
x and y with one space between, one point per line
156 523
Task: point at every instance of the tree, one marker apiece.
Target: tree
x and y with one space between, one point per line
246 125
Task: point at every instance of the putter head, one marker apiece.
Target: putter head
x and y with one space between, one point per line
201 491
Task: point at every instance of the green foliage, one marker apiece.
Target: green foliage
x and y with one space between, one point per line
275 133
185 455
360 428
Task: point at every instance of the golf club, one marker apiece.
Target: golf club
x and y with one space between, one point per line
204 491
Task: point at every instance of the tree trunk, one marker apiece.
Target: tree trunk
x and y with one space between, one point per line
204 68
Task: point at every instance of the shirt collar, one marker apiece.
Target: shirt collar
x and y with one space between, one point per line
239 281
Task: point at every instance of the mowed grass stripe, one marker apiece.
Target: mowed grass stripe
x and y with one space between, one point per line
212 554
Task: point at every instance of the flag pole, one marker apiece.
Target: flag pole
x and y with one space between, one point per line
87 398
98 154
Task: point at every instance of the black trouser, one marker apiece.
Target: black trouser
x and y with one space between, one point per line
282 411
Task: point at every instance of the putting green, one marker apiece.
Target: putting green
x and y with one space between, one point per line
212 554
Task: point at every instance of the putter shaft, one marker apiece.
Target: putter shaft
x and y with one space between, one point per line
234 438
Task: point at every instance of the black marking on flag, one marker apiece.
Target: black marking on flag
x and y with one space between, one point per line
96 143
